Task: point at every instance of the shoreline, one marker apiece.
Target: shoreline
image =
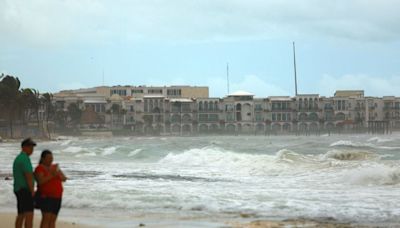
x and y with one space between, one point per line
7 219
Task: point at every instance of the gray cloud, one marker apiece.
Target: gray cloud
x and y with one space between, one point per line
58 22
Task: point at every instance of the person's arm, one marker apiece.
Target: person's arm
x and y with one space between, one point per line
29 180
62 176
26 167
42 179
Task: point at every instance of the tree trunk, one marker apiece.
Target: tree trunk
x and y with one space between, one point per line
38 123
47 124
11 126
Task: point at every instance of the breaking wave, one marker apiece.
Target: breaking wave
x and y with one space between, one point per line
350 155
348 143
135 152
73 149
109 150
374 175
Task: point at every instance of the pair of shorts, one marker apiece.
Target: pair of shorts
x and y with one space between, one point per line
50 205
24 201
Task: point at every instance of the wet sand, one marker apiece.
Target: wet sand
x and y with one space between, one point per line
8 220
306 223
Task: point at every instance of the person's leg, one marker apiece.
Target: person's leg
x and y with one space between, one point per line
46 218
25 209
53 219
28 219
41 221
19 220
55 209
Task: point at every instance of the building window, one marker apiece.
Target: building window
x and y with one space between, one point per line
174 92
137 91
258 117
213 117
229 116
154 91
273 117
229 108
203 117
121 92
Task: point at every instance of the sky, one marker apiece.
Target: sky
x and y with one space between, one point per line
53 45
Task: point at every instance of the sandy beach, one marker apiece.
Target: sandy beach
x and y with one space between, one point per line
8 219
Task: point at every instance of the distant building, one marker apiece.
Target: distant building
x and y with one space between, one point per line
183 110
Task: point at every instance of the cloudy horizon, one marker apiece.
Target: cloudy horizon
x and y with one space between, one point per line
55 45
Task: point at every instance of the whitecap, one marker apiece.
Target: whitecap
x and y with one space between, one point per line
373 175
133 153
109 150
73 149
350 144
350 155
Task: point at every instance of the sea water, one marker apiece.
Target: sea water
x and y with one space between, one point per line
349 178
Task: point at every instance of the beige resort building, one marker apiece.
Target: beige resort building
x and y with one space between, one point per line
183 110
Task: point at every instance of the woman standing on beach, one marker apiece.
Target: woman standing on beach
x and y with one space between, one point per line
49 178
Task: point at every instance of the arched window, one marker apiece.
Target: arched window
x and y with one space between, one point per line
239 107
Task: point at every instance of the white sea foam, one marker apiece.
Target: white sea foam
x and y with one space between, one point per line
213 156
374 174
133 153
89 154
73 149
66 142
289 156
109 150
350 155
380 139
351 144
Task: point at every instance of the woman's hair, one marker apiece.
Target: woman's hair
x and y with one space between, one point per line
43 155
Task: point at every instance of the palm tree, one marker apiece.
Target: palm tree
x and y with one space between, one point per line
60 118
115 109
74 113
25 104
49 109
9 97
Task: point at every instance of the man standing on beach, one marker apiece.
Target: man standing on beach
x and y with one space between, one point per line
23 184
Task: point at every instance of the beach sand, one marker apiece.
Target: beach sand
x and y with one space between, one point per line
306 223
8 219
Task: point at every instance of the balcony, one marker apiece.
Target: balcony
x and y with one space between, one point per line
209 110
308 110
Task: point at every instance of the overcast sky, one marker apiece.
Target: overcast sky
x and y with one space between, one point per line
340 44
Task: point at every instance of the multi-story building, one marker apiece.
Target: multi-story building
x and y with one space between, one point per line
183 110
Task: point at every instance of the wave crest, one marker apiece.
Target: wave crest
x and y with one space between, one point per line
350 155
374 175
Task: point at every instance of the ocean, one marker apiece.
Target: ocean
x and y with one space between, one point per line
211 179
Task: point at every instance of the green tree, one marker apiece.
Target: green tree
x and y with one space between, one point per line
49 110
74 113
9 99
116 110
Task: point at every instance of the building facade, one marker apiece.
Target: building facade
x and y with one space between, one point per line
185 110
